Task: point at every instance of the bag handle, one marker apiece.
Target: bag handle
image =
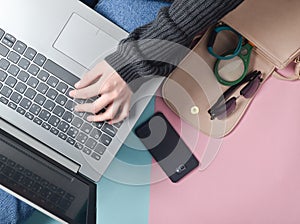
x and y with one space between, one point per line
295 76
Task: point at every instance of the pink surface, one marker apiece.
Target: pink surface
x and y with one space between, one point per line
255 176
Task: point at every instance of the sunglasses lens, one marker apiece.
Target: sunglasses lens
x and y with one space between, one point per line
232 69
250 89
224 110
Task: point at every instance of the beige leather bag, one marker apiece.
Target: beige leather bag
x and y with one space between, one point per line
272 26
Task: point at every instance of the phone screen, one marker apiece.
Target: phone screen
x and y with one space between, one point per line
166 147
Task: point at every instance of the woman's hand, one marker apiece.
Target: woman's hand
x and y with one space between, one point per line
112 91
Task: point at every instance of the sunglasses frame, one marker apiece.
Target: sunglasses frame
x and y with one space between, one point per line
223 99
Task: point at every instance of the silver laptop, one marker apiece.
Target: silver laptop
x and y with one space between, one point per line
45 47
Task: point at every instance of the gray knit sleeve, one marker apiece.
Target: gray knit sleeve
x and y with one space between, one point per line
156 48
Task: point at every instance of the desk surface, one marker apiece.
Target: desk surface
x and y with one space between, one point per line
254 178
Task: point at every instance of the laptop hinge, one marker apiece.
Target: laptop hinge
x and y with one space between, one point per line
71 165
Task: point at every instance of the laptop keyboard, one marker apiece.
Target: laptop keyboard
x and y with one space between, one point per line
40 190
37 88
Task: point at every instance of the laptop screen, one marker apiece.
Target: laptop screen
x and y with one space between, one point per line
45 183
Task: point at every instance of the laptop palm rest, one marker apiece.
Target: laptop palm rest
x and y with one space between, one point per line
84 42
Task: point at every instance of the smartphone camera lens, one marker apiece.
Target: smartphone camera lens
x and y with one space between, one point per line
180 168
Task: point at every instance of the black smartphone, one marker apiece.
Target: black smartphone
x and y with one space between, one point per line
166 147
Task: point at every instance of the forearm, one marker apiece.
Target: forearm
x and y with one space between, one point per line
156 48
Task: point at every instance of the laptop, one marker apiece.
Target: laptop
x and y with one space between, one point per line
50 155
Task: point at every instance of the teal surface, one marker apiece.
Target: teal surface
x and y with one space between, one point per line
123 193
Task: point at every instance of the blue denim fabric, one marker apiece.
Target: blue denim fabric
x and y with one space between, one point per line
13 211
128 14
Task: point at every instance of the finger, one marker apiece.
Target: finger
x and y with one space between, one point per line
86 92
95 106
98 71
124 113
88 78
109 114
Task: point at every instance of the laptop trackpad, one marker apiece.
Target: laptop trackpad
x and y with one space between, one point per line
84 42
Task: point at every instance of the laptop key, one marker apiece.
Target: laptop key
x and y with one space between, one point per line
91 143
54 131
30 93
105 139
35 109
71 141
87 151
37 121
16 97
33 69
21 87
2 32
46 126
25 103
62 136
54 121
44 115
4 64
61 100
23 76
13 70
3 50
7 42
12 105
52 81
29 116
6 91
20 110
13 57
3 100
43 75
24 63
81 137
87 128
49 105
42 88
3 76
72 132
10 38
52 94
63 126
70 105
78 146
40 99
95 133
33 82
95 156
39 59
59 111
20 47
62 87
77 122
60 72
68 116
30 53
11 81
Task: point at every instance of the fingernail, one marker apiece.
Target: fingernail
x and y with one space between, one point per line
76 108
90 118
72 93
77 84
